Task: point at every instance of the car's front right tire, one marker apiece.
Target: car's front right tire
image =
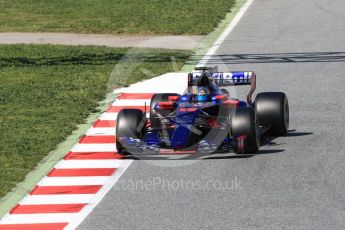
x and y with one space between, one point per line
131 123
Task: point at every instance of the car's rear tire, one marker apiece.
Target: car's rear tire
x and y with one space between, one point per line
156 98
243 122
131 123
272 109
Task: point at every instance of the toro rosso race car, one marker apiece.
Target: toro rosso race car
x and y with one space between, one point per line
205 118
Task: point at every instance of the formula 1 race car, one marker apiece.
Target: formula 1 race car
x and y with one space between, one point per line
205 118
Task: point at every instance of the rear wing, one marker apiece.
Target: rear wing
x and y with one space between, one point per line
233 78
223 79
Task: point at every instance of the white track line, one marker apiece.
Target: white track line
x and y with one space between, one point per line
108 116
57 199
94 148
79 180
225 33
131 102
39 218
100 132
75 164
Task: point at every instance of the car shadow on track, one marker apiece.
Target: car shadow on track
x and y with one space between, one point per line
307 57
265 141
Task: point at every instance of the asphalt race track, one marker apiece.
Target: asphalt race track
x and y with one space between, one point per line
294 182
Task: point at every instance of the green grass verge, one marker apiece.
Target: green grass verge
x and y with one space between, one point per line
45 91
113 16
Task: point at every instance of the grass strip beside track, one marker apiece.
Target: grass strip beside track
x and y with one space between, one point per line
113 16
46 91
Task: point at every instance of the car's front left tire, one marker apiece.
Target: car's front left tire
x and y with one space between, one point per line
243 125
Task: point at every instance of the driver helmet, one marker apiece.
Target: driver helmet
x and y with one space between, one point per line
203 94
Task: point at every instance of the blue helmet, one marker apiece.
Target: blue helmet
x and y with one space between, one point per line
203 94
